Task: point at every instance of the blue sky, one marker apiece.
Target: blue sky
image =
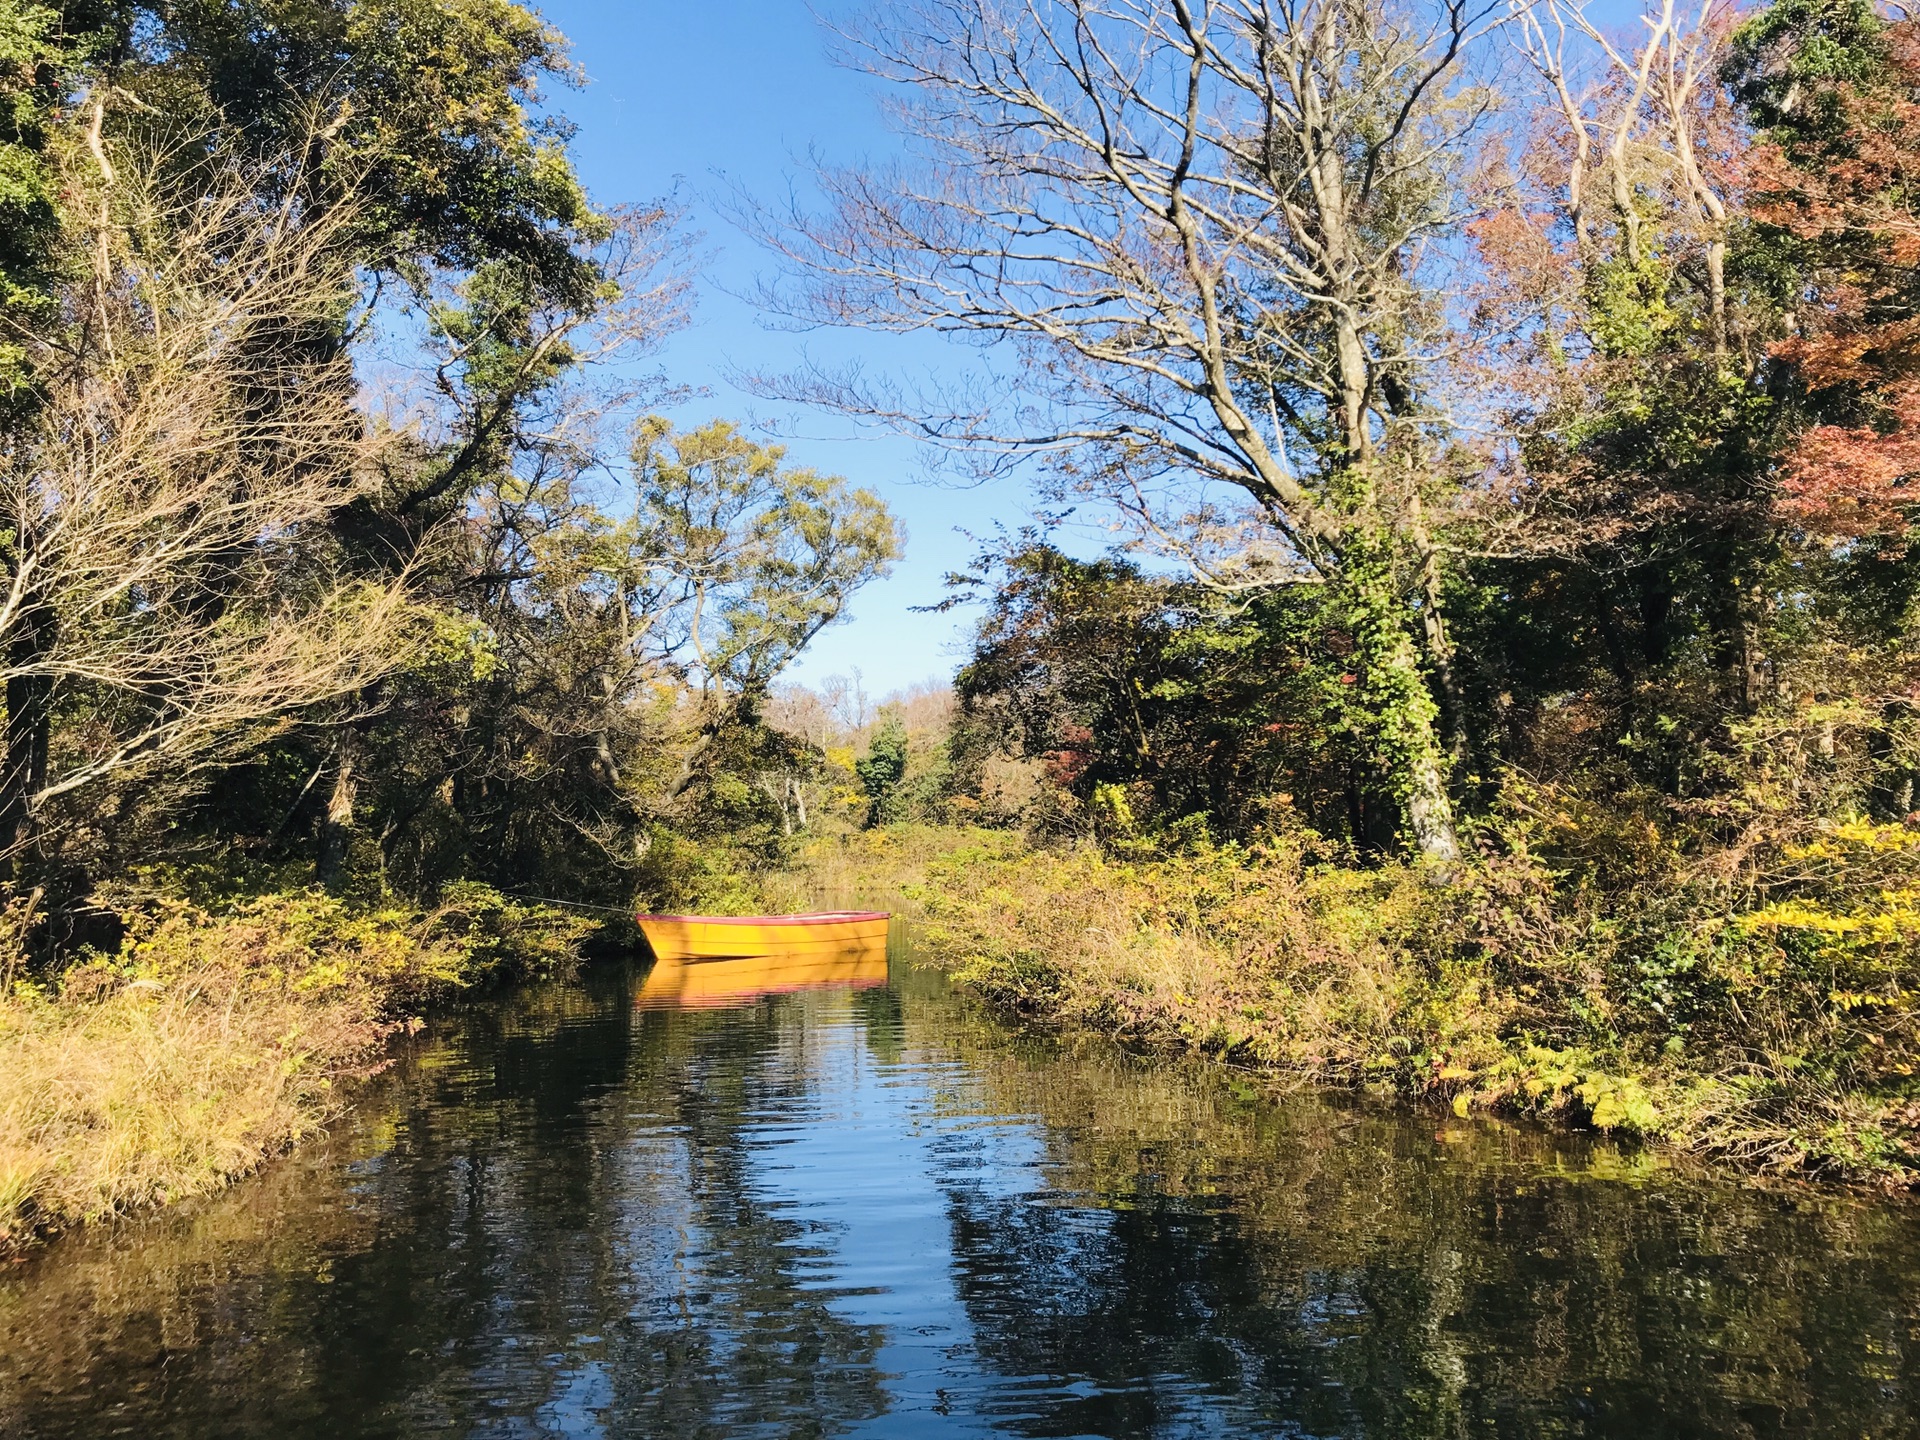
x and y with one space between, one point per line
687 99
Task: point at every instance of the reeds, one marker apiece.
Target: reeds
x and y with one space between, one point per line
154 1092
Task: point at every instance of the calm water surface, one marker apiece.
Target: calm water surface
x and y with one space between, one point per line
877 1212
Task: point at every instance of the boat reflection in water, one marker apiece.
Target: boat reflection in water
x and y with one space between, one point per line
711 962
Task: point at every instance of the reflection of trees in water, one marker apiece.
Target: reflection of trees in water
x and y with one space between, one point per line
555 1204
311 1299
740 1337
568 1208
1350 1271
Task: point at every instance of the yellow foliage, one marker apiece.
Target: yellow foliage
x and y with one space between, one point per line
211 1041
1888 918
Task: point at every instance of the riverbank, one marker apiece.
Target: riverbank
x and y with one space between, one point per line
218 1036
1776 1035
886 1212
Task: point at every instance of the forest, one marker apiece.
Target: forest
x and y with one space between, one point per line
1496 682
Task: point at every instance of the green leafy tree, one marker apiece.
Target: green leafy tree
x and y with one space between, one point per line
590 704
1234 715
882 769
759 555
30 256
412 135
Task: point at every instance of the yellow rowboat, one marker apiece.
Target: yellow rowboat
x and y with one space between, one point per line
717 960
731 937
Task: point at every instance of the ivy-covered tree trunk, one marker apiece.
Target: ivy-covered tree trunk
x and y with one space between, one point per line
1433 626
1397 698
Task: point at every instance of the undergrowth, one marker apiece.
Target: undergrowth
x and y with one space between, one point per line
220 1032
1767 1023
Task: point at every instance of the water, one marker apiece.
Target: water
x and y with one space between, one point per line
880 1213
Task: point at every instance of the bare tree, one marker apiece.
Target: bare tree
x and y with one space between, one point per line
1207 231
169 592
1634 111
803 713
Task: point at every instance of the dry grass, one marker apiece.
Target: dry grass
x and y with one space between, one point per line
214 1041
156 1092
1266 959
883 869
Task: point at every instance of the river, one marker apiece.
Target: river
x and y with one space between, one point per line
880 1212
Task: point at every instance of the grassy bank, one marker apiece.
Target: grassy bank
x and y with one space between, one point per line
219 1035
1776 1034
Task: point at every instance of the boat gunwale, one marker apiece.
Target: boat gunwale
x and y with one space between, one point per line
824 917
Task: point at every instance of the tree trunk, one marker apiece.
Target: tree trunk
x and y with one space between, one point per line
1891 795
29 729
1401 704
1433 626
1753 546
1654 590
605 766
336 828
1755 666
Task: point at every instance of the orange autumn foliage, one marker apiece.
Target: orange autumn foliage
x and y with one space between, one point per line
1857 481
1857 212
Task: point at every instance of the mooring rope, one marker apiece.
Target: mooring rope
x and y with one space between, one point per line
570 904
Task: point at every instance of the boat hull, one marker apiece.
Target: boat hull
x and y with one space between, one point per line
733 937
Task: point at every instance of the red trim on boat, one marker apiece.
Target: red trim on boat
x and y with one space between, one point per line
828 917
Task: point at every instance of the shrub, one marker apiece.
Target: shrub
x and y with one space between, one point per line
1778 1032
